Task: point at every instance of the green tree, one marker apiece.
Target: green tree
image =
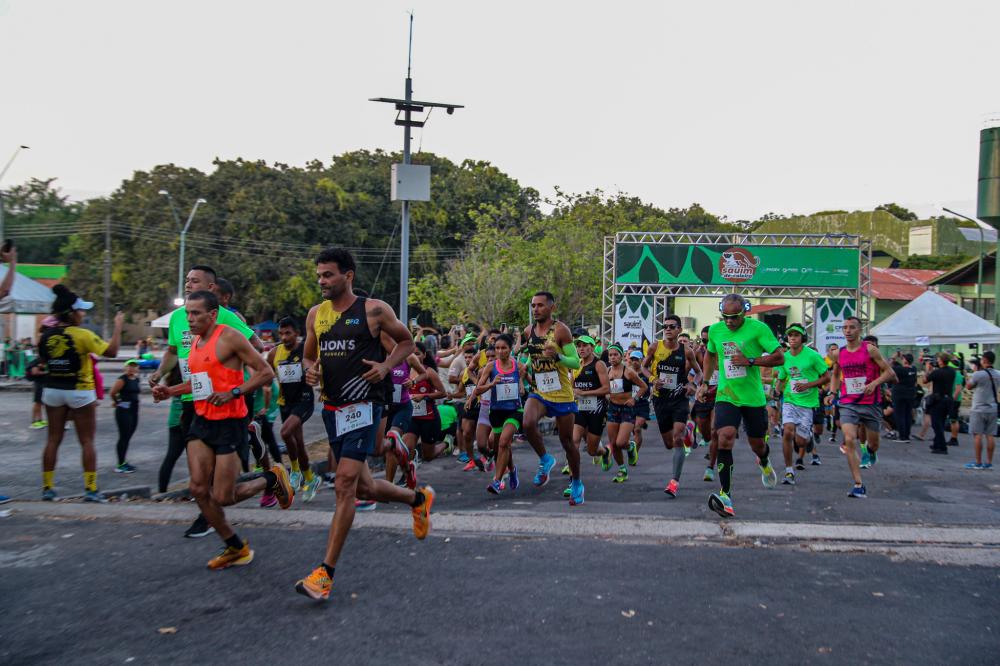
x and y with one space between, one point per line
898 211
38 217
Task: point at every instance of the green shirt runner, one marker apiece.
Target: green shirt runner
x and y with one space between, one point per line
740 386
807 366
179 337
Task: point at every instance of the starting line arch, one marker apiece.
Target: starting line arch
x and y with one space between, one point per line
806 267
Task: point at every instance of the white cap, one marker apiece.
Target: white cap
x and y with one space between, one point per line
80 304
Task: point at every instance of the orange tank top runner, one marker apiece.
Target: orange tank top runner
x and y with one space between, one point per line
208 376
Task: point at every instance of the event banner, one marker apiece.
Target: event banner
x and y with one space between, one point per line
830 316
756 265
634 321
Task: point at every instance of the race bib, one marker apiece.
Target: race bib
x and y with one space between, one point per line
289 373
201 385
796 384
618 385
185 369
506 392
469 390
547 382
353 417
734 371
397 393
714 381
420 407
855 385
587 403
669 381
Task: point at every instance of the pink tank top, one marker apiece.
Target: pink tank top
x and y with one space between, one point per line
858 370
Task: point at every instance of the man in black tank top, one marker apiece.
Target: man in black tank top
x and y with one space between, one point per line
344 356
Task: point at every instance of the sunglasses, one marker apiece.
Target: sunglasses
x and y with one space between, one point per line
732 316
671 326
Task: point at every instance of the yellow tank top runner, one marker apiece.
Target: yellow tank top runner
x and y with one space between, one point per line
550 379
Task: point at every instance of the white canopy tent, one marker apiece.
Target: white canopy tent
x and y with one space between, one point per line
26 296
162 321
932 319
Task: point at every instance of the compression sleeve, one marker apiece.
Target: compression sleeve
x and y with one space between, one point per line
569 357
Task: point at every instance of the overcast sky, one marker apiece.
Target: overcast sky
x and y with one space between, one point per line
744 107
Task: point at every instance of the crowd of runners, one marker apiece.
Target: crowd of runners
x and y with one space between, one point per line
383 394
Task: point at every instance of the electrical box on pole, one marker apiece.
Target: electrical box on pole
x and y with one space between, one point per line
411 182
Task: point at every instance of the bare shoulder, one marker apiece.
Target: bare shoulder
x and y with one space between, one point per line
376 309
563 332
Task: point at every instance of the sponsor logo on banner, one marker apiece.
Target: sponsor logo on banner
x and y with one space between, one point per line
634 321
830 316
737 265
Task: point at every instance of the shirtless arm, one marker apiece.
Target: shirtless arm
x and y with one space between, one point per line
383 319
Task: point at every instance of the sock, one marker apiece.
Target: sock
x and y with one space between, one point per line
47 480
308 474
89 481
234 541
329 570
764 462
271 478
295 466
725 469
418 499
678 462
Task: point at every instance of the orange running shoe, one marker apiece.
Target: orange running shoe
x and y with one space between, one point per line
232 557
316 585
422 513
283 490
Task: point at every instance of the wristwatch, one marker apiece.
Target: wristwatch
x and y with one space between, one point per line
236 392
752 361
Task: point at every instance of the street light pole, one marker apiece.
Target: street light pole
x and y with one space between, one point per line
4 173
982 254
179 300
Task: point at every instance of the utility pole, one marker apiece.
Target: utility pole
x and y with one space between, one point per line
107 278
409 183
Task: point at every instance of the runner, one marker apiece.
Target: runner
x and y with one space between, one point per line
344 355
670 363
984 383
199 278
798 381
549 348
621 407
125 397
465 389
858 372
590 386
641 408
216 360
425 426
745 345
503 379
69 386
703 412
458 378
296 403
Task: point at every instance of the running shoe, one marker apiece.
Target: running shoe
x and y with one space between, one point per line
709 474
800 464
833 437
490 465
633 455
565 470
866 459
199 528
576 492
422 513
449 446
4 499
232 557
987 465
768 477
295 479
689 435
95 496
873 456
859 492
721 504
463 457
470 465
316 585
311 488
973 465
702 443
513 478
38 425
816 460
330 480
257 469
606 458
480 464
494 487
687 451
267 500
49 495
621 476
256 443
545 465
567 490
124 468
282 490
403 458
503 482
789 479
364 505
671 488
